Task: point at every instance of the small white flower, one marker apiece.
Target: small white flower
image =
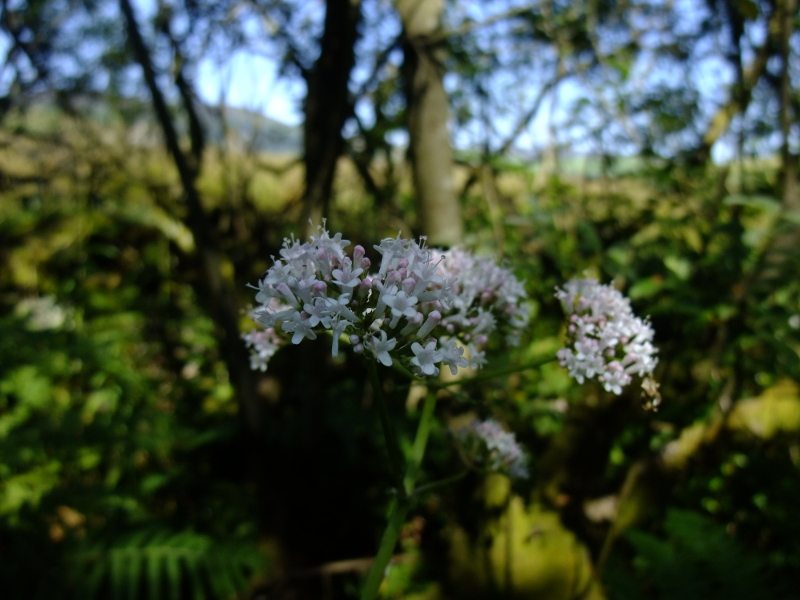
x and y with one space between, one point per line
301 328
477 358
453 355
401 304
338 306
347 278
381 348
317 311
338 329
426 358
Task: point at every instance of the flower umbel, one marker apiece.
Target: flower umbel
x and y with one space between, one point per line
422 308
263 345
488 446
606 340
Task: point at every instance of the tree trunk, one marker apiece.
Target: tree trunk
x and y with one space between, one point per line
328 105
791 201
428 113
212 288
780 258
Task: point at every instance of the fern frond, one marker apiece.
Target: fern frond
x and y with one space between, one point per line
699 560
158 564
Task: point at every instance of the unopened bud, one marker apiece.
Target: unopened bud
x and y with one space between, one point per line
433 320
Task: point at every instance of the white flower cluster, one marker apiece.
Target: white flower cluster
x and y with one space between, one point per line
263 345
422 308
606 339
487 445
482 289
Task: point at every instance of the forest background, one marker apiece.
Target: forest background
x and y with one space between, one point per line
653 143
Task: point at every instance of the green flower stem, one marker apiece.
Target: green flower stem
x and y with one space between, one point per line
435 485
420 442
405 372
429 382
395 453
498 373
402 504
406 494
397 516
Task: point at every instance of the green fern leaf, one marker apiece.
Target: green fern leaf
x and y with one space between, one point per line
699 560
134 575
97 574
172 569
153 577
118 574
219 577
167 565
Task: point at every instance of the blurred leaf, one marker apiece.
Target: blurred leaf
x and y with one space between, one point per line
28 488
765 203
747 8
681 267
776 410
646 288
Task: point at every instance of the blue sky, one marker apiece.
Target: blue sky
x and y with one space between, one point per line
251 82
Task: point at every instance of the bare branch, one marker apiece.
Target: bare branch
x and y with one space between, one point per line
473 25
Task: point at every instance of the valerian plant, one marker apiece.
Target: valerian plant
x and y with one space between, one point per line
421 309
424 309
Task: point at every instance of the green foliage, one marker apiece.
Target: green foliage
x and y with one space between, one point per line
125 471
157 564
695 558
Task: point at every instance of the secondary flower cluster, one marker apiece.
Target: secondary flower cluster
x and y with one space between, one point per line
263 345
605 338
488 446
482 289
422 307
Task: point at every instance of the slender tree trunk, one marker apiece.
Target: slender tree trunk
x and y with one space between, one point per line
791 201
779 259
328 105
428 110
213 290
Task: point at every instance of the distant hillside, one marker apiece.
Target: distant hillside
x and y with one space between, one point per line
245 128
251 129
